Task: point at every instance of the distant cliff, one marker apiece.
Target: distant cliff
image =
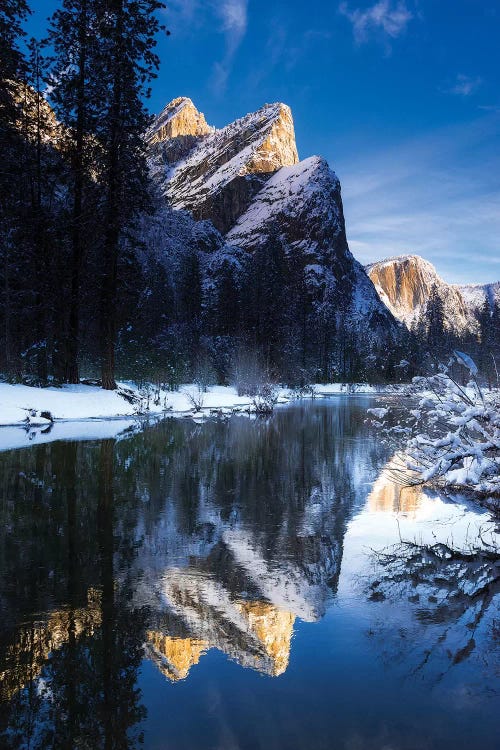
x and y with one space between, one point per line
405 283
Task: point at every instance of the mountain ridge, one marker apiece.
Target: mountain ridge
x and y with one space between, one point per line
201 167
247 179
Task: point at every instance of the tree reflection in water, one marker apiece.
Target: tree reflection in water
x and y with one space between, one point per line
183 537
452 594
70 679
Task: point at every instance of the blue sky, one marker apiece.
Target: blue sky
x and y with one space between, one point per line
401 96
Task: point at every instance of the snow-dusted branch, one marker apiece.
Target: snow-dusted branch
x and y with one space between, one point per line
454 437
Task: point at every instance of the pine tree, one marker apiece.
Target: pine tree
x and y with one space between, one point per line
435 323
127 63
265 307
77 94
37 131
489 335
12 69
298 312
189 302
227 313
326 330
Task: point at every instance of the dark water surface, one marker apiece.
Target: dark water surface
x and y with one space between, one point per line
216 586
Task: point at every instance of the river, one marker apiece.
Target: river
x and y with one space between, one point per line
242 584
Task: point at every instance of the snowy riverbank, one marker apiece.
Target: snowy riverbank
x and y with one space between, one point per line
86 412
21 404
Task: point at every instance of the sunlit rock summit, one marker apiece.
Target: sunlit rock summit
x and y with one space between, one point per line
215 173
179 118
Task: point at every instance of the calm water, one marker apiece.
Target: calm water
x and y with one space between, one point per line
218 586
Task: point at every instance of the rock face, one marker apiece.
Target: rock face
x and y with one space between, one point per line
404 285
303 204
45 637
255 634
174 657
306 192
52 131
387 496
247 180
216 174
179 118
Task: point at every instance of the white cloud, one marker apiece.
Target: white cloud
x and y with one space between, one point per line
233 19
233 15
226 17
465 85
386 17
182 11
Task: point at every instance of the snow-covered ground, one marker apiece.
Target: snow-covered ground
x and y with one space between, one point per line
24 404
20 403
85 412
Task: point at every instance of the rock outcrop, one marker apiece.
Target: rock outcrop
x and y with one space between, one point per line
246 179
388 495
254 634
303 204
33 106
174 657
179 118
477 295
42 638
405 283
214 174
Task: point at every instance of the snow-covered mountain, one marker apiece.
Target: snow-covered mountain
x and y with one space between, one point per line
404 284
475 295
247 180
215 173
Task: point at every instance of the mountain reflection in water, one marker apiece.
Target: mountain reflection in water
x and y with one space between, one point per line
184 541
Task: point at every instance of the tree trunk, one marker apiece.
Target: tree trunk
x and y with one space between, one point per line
72 372
108 296
7 310
70 465
40 239
112 230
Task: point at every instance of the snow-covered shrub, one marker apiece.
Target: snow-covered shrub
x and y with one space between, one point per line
204 374
140 399
454 434
450 593
265 399
249 374
196 396
307 390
